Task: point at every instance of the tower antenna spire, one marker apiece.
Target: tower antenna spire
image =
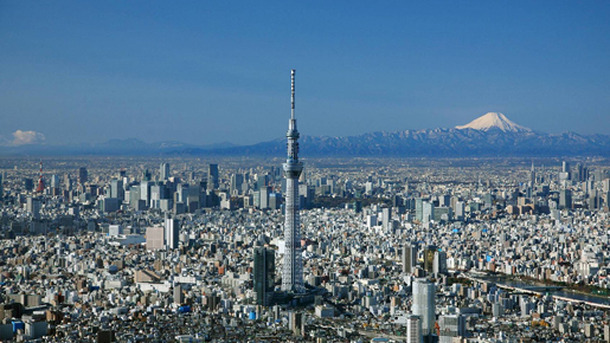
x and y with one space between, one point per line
292 74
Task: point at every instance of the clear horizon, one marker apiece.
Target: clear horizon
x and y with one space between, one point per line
209 73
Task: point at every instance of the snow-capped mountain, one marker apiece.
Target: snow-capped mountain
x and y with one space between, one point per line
489 135
491 120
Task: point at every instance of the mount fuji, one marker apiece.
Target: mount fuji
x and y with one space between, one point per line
493 120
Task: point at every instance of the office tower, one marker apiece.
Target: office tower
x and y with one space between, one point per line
157 193
172 233
67 182
532 176
439 265
275 200
212 176
182 193
386 213
115 230
409 257
145 192
580 173
264 197
264 275
565 199
116 189
33 207
414 329
262 181
292 274
460 210
54 181
429 252
424 304
164 171
237 181
1 188
451 327
155 238
296 322
178 295
134 197
427 212
419 209
444 200
83 176
146 175
28 184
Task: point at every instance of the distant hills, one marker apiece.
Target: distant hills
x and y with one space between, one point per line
492 134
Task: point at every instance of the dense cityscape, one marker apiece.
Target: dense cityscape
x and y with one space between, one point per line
187 249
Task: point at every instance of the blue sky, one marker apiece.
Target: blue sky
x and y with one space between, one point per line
204 72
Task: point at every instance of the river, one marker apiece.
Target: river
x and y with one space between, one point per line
564 293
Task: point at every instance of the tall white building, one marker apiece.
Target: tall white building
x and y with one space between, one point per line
172 232
292 273
424 304
414 329
164 171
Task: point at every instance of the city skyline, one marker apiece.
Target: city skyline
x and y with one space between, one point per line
90 72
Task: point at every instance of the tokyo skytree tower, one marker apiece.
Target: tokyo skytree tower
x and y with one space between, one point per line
292 273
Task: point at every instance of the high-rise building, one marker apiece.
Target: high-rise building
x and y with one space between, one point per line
427 212
409 258
172 233
292 273
565 199
28 184
32 206
155 238
237 181
424 304
83 175
1 189
451 327
264 275
264 197
439 265
54 181
386 214
429 252
414 329
145 192
212 176
116 189
164 171
146 176
419 209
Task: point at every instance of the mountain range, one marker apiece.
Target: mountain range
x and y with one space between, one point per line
492 134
